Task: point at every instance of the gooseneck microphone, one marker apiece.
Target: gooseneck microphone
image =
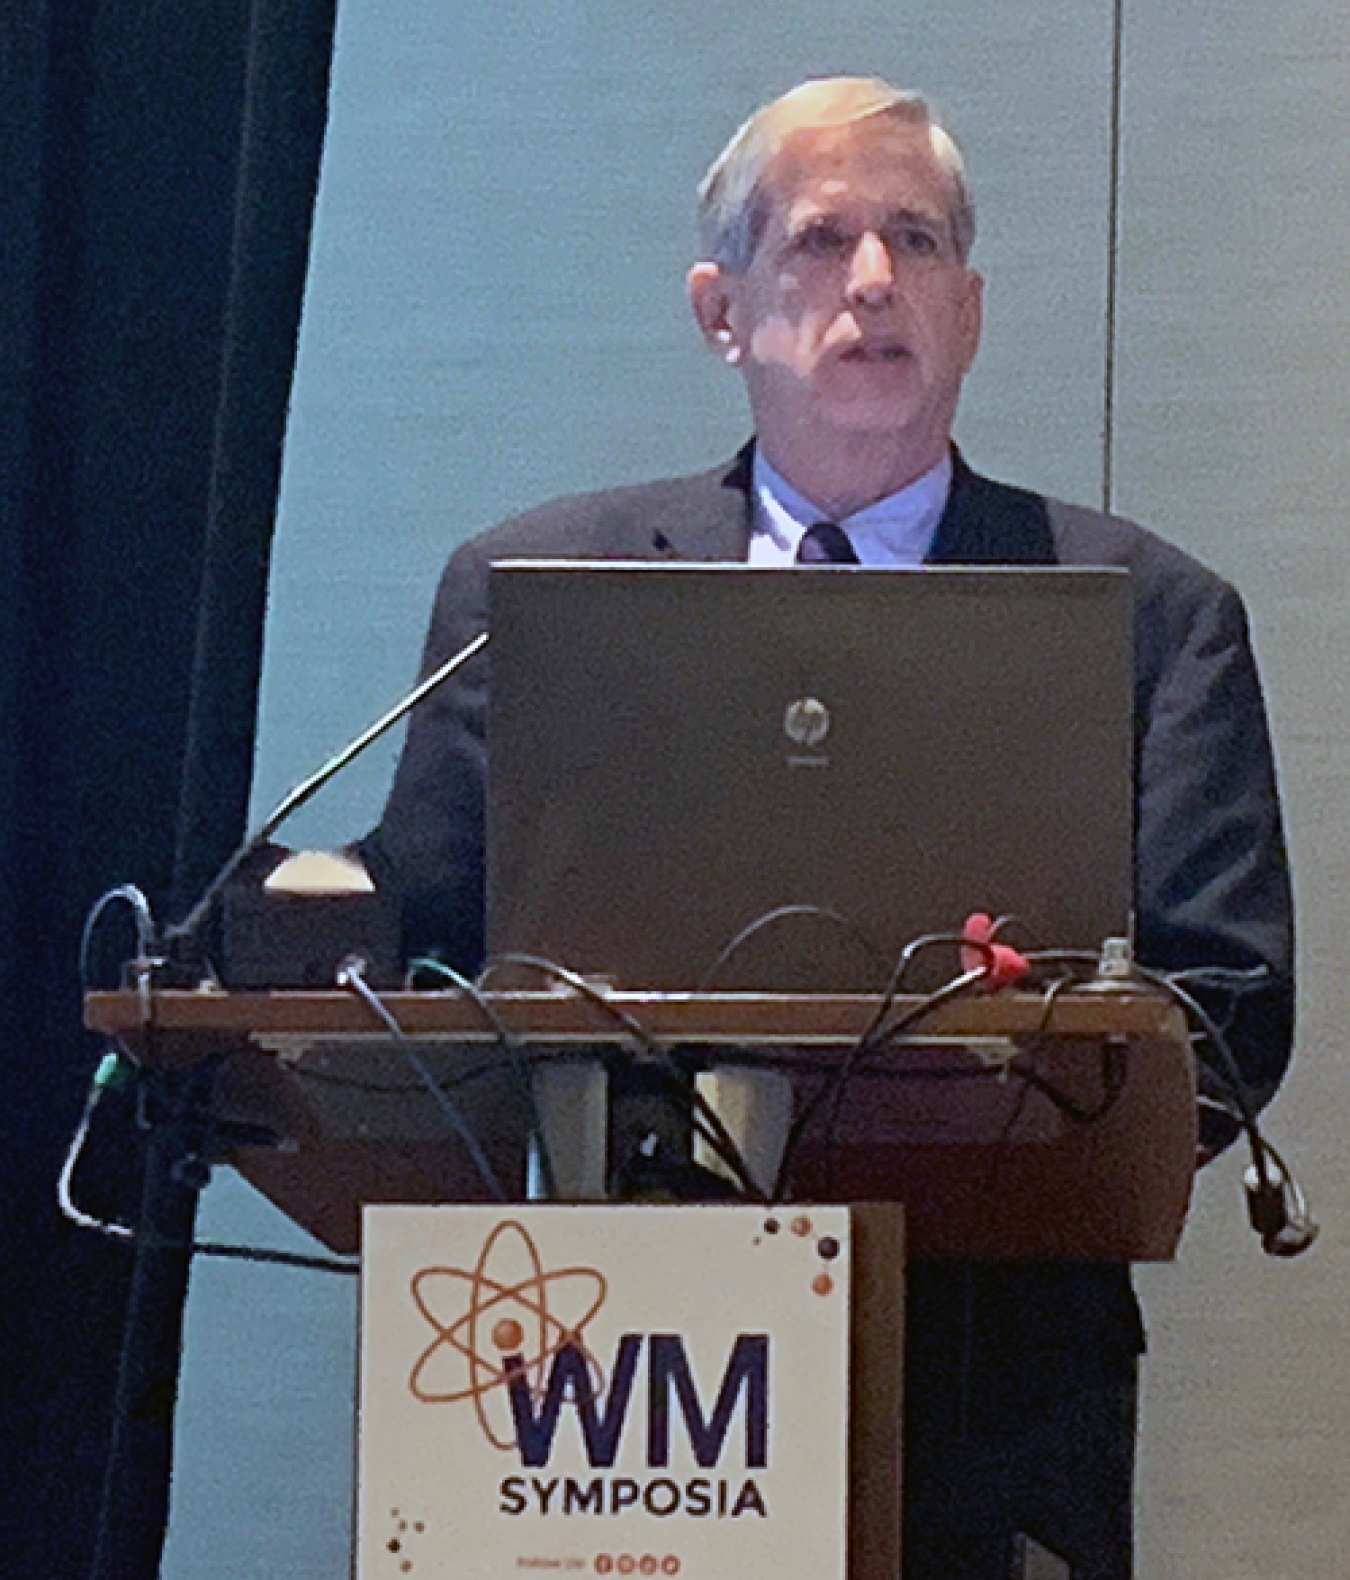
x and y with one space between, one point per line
179 938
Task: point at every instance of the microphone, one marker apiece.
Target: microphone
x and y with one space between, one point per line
180 938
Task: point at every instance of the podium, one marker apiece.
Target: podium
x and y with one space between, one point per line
1011 1126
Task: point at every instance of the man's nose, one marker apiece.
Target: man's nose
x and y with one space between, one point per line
871 272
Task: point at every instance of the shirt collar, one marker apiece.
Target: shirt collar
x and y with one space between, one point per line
897 530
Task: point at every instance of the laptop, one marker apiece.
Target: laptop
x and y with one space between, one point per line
821 764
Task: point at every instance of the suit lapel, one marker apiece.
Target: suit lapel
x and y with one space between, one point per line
709 519
988 523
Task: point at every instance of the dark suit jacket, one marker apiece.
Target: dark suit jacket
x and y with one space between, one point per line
987 1347
1212 878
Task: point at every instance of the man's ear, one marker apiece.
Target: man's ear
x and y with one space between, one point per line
710 297
974 315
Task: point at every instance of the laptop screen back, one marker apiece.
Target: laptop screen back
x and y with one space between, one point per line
675 751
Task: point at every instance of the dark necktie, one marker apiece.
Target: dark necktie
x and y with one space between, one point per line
825 544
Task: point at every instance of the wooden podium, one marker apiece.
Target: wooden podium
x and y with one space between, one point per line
1011 1126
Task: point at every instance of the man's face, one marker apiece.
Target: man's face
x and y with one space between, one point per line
856 315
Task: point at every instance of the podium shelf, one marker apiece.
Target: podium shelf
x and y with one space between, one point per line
1011 1125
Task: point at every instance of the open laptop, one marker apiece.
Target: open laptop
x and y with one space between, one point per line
675 751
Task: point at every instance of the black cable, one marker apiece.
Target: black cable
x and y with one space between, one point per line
249 1253
832 1089
1113 1089
812 1105
1277 1208
115 1069
1174 985
350 976
908 955
1266 1163
860 1053
581 985
1114 1075
1231 1072
1114 1072
517 1060
1286 1228
707 1121
875 1037
784 913
130 895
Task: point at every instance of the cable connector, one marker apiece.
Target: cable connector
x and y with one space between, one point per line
1278 1212
1117 961
114 1071
1115 969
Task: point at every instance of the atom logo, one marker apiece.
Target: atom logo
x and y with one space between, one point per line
515 1309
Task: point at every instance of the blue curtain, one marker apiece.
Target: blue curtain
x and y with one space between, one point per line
160 160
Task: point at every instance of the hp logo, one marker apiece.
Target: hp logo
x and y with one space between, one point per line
806 721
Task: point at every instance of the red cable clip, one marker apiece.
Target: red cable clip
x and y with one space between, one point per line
1006 967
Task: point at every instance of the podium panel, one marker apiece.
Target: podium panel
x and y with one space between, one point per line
611 1390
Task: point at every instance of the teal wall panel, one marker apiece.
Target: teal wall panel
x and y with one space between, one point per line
495 315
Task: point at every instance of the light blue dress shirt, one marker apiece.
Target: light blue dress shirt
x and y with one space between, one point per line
896 531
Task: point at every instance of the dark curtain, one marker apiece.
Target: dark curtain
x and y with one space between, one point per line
158 164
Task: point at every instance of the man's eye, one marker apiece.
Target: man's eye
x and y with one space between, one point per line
916 242
822 241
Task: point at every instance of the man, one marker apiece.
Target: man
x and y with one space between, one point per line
837 227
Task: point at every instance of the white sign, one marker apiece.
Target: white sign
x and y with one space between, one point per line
604 1391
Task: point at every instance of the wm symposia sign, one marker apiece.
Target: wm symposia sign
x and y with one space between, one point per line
603 1390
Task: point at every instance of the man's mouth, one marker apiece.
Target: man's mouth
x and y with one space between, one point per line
876 351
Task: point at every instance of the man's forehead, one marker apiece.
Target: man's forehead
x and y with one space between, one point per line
882 159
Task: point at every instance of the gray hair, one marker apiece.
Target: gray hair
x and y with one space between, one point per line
733 207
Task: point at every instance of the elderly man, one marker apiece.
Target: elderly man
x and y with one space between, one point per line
836 228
